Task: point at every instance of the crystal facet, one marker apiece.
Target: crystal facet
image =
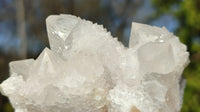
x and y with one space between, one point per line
87 70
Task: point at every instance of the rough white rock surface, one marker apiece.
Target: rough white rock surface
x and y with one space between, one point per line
87 70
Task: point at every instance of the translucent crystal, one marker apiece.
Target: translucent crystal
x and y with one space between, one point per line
87 70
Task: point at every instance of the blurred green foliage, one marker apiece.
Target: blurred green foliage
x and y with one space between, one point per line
7 108
188 14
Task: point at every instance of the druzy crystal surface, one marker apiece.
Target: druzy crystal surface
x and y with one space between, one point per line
87 70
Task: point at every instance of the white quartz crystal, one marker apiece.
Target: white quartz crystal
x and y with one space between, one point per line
87 70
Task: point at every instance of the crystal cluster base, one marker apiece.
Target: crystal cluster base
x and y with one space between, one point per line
87 70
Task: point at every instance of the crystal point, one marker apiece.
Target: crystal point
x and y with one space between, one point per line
59 28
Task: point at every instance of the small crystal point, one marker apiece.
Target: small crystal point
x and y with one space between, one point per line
59 27
142 33
47 63
18 67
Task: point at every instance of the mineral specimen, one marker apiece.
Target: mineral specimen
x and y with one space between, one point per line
87 70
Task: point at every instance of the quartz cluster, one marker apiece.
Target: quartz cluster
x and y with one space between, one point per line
87 70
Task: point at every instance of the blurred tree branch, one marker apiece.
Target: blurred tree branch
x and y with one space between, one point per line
21 29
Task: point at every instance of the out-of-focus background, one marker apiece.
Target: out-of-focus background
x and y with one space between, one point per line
23 31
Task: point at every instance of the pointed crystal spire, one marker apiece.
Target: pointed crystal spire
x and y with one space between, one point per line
142 33
47 62
58 29
20 67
